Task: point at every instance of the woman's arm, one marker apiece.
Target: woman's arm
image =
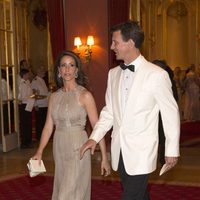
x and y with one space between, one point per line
87 100
46 132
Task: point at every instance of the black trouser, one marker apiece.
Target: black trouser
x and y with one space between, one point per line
40 118
25 125
134 187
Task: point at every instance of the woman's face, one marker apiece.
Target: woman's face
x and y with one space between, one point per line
68 68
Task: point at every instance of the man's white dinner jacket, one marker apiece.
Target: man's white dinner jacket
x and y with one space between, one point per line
135 133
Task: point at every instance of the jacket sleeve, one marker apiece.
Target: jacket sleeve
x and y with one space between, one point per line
169 113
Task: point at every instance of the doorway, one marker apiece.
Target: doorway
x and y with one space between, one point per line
8 101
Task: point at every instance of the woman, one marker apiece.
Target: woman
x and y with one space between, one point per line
68 109
192 90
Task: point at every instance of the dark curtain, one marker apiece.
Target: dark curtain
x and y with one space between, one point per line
56 26
118 12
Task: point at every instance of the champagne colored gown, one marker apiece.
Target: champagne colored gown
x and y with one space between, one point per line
72 180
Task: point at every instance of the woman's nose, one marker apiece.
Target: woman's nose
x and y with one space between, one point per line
67 68
112 46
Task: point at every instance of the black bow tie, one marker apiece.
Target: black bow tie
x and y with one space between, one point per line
130 67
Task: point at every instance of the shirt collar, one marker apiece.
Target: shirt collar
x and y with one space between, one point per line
136 62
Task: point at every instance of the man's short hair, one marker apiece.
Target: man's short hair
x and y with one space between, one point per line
130 30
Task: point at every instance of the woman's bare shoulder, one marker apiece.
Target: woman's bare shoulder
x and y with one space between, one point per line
85 95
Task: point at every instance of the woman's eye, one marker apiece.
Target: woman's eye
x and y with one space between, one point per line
67 65
63 65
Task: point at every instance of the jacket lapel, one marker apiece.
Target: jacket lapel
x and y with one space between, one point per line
117 93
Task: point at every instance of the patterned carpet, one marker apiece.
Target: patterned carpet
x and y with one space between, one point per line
40 188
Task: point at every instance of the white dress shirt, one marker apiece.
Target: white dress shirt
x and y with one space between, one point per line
25 91
40 86
127 81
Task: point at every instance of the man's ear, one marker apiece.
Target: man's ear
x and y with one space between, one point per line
131 43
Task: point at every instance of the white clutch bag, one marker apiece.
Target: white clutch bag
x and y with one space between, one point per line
35 168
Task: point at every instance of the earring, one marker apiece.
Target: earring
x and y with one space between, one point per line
59 75
76 75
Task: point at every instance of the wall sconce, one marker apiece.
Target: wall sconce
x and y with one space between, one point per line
77 43
86 48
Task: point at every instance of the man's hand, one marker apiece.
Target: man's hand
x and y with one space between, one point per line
171 161
90 144
105 168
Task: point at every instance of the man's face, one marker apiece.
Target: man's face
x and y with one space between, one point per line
119 46
41 72
26 76
25 65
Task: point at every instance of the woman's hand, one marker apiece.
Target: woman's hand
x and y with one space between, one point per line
37 156
105 167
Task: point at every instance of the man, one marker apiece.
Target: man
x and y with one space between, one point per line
133 102
25 116
39 87
24 65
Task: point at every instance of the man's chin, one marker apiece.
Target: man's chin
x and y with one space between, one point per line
118 58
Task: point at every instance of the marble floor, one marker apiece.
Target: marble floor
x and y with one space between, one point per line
187 171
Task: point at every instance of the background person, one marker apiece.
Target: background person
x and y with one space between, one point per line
25 116
39 87
192 94
23 65
178 78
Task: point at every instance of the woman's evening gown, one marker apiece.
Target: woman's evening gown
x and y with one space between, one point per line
72 180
